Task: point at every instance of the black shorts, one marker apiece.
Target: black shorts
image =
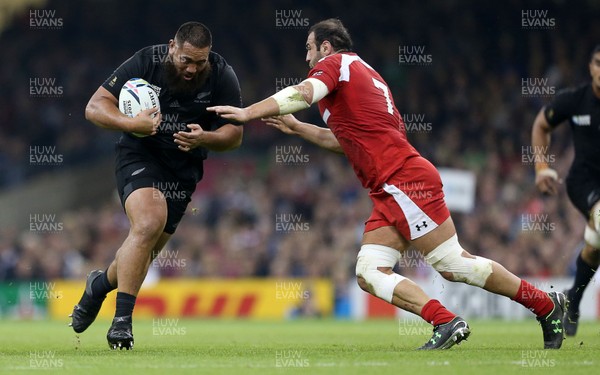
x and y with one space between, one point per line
583 188
136 169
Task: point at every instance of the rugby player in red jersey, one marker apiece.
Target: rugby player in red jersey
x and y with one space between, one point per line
406 189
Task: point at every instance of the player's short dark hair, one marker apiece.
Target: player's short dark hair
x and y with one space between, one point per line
334 32
195 33
595 51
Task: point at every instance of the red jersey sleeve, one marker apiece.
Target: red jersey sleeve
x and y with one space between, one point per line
327 70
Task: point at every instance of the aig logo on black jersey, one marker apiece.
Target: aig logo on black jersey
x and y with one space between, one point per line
582 120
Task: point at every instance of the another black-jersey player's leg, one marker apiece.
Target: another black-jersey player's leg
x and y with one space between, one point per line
584 191
587 263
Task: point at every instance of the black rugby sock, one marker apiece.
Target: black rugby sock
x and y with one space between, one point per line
125 304
101 286
583 275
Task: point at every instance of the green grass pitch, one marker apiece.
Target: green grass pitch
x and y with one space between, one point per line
304 346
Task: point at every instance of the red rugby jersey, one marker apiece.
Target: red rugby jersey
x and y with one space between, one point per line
360 112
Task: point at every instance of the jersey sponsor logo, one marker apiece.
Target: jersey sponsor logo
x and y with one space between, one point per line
582 120
174 104
112 81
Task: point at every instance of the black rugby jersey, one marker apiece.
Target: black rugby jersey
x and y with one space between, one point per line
221 88
582 109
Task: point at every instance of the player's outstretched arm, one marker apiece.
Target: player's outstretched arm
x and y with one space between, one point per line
289 100
103 111
546 178
322 137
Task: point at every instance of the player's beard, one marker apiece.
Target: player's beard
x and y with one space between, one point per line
181 87
314 60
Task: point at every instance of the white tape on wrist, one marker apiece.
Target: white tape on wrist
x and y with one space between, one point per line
548 172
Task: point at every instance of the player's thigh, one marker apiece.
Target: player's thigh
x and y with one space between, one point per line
137 182
386 236
146 208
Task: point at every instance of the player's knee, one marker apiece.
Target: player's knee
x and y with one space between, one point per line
148 227
373 270
454 264
362 284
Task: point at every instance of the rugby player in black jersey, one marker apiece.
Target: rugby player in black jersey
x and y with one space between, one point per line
158 167
579 106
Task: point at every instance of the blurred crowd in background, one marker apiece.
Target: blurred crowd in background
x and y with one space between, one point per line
470 94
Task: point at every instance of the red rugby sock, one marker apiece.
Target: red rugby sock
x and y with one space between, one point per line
435 313
534 299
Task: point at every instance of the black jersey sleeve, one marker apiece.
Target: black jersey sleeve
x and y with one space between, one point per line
227 92
134 67
561 107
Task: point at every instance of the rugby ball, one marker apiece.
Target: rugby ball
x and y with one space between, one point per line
137 95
